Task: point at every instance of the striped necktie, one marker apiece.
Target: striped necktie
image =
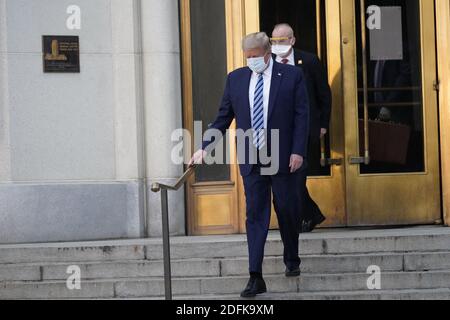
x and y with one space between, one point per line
258 115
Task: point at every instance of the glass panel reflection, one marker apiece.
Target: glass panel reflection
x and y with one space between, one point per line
394 86
209 72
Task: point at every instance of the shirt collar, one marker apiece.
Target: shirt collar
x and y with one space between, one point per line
290 57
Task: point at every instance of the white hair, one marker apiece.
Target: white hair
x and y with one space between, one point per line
255 41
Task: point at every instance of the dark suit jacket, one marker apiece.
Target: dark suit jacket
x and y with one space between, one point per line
288 112
319 91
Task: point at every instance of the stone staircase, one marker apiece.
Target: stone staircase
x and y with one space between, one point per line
414 263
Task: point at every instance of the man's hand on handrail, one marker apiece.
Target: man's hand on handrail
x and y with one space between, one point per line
197 158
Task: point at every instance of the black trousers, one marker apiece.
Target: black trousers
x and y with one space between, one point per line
311 210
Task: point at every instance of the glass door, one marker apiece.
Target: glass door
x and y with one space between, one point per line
443 49
379 164
212 205
390 112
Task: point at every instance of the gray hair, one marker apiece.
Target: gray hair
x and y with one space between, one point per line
256 40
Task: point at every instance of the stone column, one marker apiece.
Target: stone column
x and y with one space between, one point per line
5 160
163 109
128 101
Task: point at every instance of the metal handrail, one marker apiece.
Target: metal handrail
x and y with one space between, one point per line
157 187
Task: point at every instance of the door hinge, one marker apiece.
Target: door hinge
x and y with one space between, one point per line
436 85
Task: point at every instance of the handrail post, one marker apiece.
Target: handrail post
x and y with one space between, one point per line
166 244
157 187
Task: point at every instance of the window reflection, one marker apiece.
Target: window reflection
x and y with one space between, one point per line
395 92
209 72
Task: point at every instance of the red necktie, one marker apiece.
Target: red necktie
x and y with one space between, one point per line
284 61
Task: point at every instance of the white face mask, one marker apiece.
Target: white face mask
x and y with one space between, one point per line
281 50
257 65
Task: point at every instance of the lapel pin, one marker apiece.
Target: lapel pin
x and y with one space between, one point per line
279 74
300 61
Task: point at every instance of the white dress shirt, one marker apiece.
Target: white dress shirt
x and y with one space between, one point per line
291 58
267 76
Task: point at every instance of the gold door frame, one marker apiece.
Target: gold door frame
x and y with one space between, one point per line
333 186
366 199
212 207
443 48
242 19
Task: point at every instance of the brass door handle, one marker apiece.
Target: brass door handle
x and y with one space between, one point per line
323 159
330 162
366 158
359 160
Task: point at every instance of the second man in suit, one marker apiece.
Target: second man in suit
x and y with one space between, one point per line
283 41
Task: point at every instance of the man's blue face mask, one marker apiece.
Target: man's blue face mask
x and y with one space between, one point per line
257 64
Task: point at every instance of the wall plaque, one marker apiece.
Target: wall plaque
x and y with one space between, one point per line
61 54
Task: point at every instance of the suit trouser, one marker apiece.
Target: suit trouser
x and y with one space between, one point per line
311 210
288 191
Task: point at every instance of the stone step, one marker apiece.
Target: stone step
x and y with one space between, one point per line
154 287
423 239
409 294
346 241
415 262
66 252
318 264
414 294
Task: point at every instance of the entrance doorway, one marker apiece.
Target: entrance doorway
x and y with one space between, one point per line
380 163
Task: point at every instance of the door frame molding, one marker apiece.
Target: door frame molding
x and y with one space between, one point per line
217 197
443 53
243 16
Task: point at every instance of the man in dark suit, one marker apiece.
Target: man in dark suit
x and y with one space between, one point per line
319 92
267 97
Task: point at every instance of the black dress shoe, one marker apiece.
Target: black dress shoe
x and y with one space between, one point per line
293 273
254 287
310 225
